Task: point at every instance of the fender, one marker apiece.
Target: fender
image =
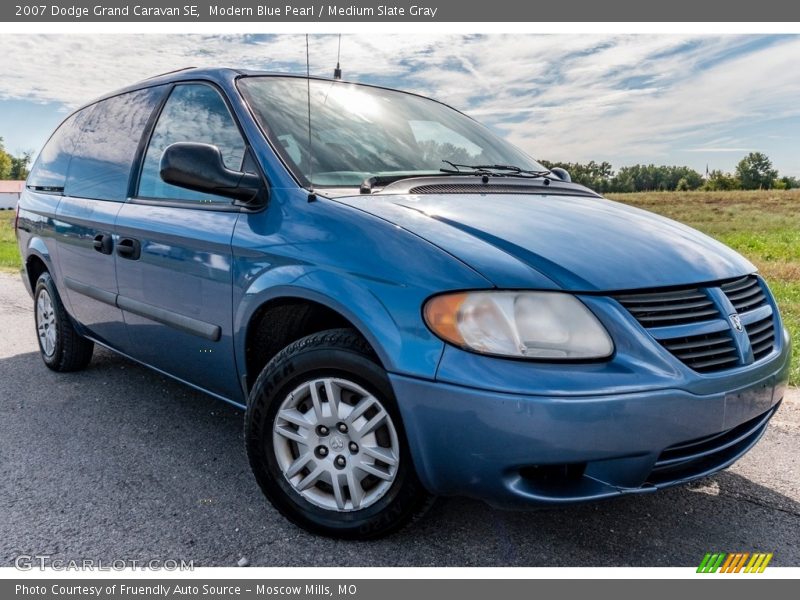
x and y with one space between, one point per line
346 265
36 212
36 247
378 310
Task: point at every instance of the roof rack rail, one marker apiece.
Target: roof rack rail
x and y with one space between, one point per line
168 73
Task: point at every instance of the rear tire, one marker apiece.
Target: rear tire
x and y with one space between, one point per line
326 443
61 347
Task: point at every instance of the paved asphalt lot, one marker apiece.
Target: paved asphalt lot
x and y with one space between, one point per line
118 462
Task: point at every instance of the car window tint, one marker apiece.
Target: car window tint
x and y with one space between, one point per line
444 139
362 131
49 173
291 147
103 157
193 113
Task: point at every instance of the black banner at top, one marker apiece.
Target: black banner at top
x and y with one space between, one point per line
398 11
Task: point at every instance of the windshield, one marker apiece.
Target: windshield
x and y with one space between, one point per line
359 131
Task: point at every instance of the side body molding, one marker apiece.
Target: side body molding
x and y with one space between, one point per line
184 323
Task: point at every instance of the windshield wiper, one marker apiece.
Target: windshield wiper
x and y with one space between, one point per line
369 183
492 170
381 180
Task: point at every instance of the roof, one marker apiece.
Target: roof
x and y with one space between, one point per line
217 75
11 187
220 75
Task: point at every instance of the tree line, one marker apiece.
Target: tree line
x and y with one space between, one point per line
13 167
753 172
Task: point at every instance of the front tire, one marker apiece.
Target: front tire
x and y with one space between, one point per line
326 443
61 347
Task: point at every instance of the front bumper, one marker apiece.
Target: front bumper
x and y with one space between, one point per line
514 450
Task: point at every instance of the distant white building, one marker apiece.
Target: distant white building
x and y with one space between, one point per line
9 193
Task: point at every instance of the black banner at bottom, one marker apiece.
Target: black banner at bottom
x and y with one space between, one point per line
384 589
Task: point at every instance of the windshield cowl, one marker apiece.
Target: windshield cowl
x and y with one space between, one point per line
465 184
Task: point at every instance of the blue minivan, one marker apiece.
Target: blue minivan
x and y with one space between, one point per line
404 304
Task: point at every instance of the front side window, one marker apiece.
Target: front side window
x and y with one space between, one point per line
193 113
360 131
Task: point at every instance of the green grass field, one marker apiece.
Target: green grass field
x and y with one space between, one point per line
764 226
9 255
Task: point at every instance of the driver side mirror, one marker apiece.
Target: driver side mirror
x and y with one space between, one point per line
200 167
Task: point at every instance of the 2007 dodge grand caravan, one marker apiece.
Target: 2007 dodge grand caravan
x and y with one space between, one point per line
405 304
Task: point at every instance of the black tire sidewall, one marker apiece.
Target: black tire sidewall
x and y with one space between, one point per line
390 512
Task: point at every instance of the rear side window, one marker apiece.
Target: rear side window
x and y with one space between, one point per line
49 173
104 155
193 113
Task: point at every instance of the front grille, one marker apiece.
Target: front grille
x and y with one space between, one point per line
690 310
745 294
699 456
704 353
659 309
762 337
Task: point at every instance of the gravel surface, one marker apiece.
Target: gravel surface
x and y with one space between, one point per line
118 462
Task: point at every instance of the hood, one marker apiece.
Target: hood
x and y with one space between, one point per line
559 242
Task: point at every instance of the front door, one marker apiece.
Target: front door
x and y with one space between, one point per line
174 252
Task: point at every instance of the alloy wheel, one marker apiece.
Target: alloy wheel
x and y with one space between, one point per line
46 322
335 444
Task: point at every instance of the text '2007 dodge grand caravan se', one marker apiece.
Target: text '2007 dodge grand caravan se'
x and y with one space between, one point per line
406 305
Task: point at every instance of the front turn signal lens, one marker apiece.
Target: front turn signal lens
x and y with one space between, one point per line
441 314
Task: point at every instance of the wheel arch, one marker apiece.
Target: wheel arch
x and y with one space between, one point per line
37 261
296 312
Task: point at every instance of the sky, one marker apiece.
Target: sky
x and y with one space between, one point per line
691 100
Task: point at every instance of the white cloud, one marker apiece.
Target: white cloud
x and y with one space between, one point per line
712 149
619 97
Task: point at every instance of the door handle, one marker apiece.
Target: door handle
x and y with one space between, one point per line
129 248
103 243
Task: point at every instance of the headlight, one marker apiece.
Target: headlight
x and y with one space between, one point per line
543 325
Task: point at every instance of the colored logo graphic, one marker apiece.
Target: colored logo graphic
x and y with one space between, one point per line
736 562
